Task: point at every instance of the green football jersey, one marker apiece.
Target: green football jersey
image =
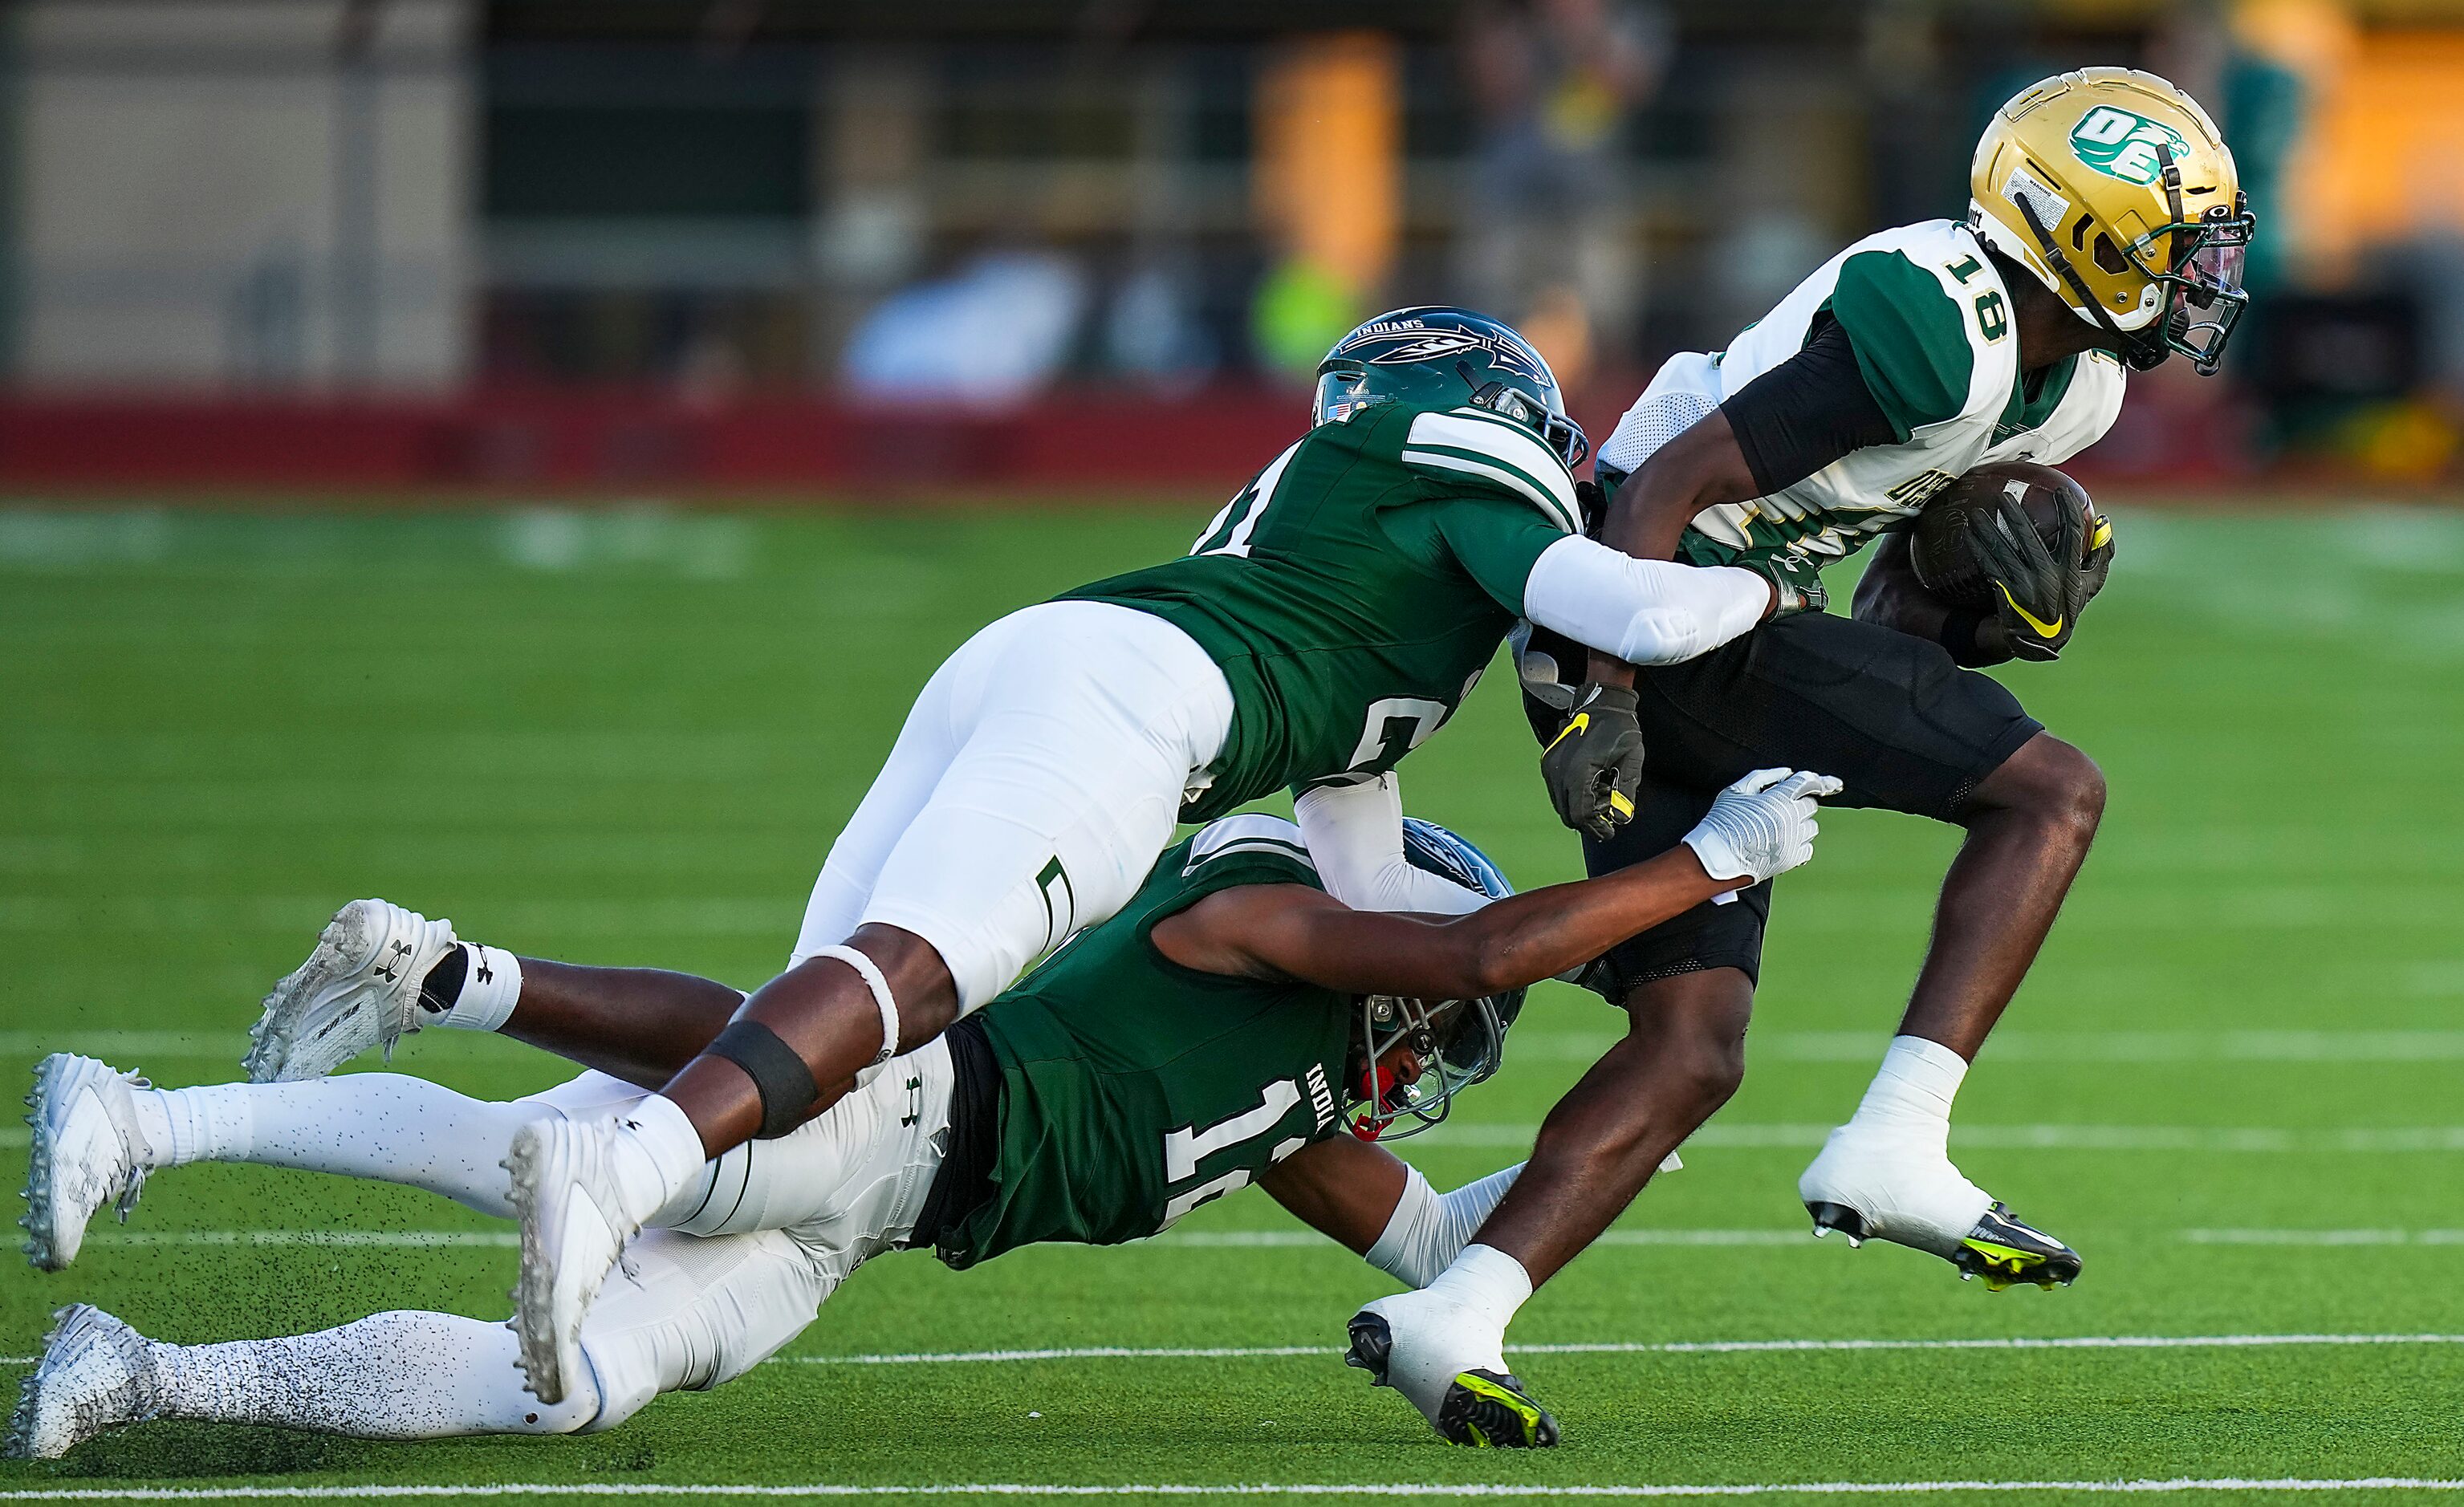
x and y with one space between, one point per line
1133 1089
1937 345
1354 591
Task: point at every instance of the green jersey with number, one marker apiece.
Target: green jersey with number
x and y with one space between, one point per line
1936 342
1357 587
1133 1089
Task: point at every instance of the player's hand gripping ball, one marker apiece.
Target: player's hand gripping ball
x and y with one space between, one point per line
2021 541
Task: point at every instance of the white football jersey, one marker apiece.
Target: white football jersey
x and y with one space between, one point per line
1934 332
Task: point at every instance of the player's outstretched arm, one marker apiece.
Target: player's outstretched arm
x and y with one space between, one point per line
1765 824
1379 1207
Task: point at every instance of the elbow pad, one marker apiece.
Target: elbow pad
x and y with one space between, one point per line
1428 1229
1354 834
1644 612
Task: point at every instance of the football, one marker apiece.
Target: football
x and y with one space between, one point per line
1947 565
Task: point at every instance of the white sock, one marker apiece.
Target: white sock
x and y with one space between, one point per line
668 1146
1912 1091
492 985
212 1123
384 1126
403 1375
1487 1281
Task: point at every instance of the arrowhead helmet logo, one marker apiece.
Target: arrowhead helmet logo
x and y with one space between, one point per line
2121 144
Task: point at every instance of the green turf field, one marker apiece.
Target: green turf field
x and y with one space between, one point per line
626 736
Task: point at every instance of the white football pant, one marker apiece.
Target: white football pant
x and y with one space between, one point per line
1038 775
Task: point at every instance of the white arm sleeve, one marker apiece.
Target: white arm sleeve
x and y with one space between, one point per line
1354 834
1428 1229
1644 612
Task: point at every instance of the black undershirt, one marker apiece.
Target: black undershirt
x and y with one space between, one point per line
1806 412
964 1182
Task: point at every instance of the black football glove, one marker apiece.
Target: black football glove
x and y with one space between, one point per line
1593 766
2037 596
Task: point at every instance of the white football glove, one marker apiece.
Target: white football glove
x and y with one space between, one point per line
1762 825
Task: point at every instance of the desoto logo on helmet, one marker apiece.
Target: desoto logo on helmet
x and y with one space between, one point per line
2121 144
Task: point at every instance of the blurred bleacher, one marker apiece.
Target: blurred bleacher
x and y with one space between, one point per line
1056 247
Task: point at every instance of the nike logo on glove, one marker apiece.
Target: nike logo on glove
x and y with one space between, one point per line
2043 629
1581 720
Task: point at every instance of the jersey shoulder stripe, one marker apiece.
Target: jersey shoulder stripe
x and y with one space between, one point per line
1474 442
1251 832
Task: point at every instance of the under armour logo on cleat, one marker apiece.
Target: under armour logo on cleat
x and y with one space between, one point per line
390 970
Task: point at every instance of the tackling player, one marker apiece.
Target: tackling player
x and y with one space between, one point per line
1200 1040
1328 620
2106 231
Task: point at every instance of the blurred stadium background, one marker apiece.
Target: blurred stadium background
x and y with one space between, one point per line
855 246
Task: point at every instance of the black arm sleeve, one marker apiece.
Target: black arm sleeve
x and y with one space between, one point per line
1806 412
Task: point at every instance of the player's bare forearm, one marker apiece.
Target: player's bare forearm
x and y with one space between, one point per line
1891 597
1345 1189
1292 931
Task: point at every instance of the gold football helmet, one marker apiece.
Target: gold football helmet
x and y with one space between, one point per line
2113 188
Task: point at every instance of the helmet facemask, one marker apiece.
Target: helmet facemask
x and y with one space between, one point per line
2197 264
1456 1042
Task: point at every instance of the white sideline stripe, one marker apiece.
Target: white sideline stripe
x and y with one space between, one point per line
2179 1483
493 1239
1800 1136
2324 1236
2159 1342
1216 1239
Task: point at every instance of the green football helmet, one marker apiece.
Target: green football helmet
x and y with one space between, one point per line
1438 357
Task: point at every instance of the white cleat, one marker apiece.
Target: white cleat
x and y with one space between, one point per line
360 988
1449 1362
570 1198
96 1374
86 1151
1873 1185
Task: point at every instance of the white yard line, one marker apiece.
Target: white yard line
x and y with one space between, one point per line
2324 1236
2119 1047
2145 1485
1808 1134
2160 1342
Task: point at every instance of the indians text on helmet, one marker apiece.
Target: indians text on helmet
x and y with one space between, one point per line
1437 344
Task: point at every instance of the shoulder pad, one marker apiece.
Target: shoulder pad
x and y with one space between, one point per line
1473 442
1251 833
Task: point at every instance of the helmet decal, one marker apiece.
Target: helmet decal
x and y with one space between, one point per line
1437 356
2122 144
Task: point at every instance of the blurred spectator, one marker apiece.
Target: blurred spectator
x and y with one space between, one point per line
1549 226
1155 331
996 332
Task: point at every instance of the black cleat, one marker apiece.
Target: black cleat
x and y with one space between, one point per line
1482 1409
2004 1251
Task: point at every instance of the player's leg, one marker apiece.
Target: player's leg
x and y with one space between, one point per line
1078 726
99 1134
1688 987
381 972
1887 1172
693 1314
1908 730
403 1375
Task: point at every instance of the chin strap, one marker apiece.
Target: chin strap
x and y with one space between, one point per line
870 972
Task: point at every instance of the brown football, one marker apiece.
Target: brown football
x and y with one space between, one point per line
1939 548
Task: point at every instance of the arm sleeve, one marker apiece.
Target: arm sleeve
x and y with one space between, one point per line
1496 542
1354 834
1428 1229
1644 612
1909 336
1806 412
